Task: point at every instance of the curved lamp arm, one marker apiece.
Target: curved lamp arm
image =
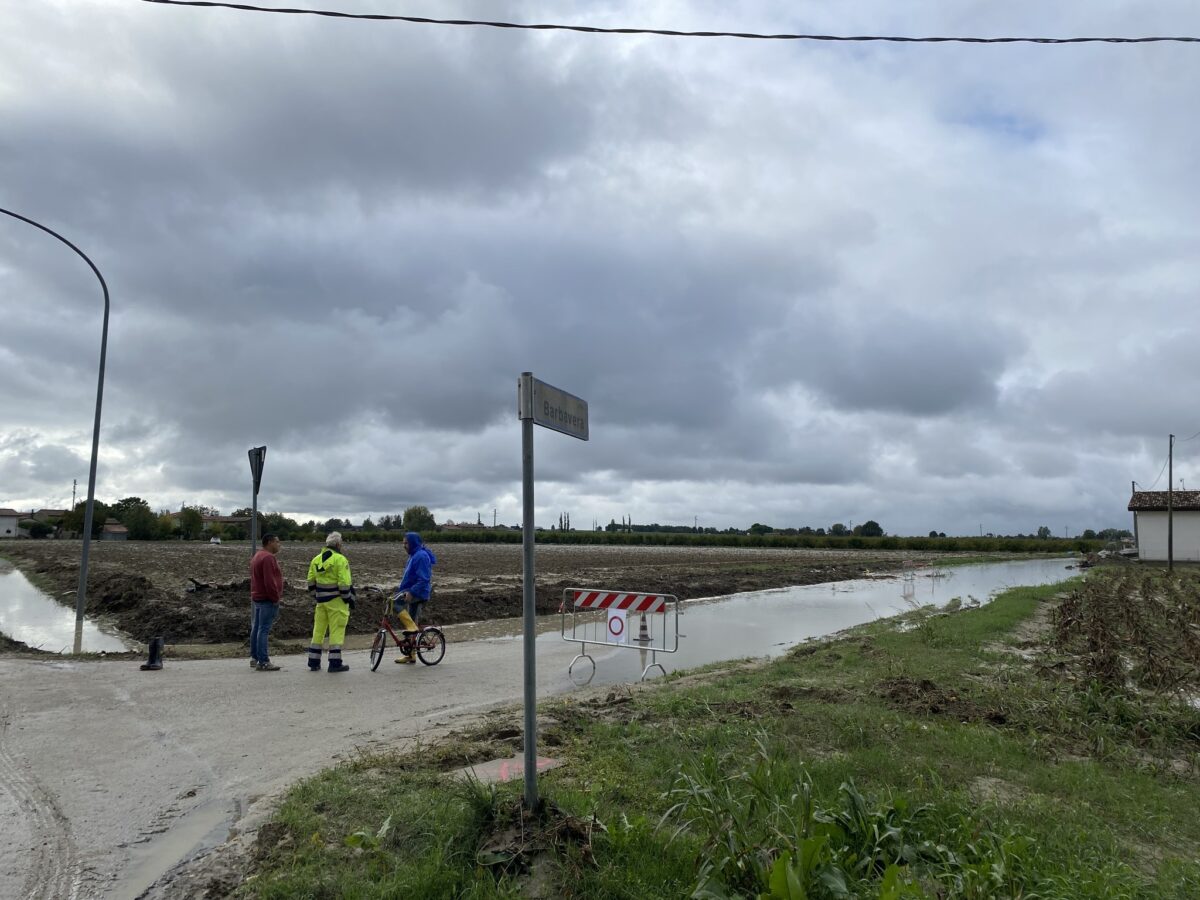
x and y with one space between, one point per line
81 594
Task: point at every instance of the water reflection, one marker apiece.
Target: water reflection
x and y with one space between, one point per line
768 623
28 615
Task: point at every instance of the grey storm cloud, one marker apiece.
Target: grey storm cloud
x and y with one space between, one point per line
797 284
888 360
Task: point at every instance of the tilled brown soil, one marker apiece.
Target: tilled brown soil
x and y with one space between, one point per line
143 586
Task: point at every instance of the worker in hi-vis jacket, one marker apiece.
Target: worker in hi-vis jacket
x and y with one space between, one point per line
329 582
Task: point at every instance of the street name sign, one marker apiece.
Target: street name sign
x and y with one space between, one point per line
555 409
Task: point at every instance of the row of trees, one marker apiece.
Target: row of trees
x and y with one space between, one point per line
132 512
1044 533
144 524
189 524
415 518
870 528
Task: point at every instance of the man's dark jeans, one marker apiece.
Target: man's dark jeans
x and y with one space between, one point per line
262 619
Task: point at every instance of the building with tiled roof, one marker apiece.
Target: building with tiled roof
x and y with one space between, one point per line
1150 513
114 531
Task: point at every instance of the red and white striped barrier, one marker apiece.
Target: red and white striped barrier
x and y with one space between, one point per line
659 634
638 603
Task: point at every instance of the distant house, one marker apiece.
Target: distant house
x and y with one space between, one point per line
51 517
8 523
1149 510
114 531
224 521
207 522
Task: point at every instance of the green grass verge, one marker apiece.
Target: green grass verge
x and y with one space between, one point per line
926 762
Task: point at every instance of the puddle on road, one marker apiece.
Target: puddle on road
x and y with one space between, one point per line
30 616
205 827
769 623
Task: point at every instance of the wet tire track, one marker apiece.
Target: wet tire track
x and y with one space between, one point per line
53 872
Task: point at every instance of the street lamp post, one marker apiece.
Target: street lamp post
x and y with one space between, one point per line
81 594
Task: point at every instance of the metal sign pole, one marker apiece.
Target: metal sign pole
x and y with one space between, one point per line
528 588
538 404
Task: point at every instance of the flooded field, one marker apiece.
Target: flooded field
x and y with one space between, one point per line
768 623
148 588
28 615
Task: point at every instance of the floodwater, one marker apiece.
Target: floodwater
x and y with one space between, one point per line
28 615
768 623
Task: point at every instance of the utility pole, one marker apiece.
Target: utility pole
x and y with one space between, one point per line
1170 504
74 484
1133 490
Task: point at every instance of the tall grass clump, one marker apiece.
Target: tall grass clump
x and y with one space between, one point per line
763 832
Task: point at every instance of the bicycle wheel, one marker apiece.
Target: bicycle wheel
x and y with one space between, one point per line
377 648
431 646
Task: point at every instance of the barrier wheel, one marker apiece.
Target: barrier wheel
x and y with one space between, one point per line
591 673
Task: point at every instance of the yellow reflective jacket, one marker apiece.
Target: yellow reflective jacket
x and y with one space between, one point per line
329 576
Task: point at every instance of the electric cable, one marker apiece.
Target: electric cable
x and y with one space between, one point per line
667 32
1160 472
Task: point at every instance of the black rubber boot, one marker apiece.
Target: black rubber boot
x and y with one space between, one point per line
154 663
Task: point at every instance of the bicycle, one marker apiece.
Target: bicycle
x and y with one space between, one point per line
426 641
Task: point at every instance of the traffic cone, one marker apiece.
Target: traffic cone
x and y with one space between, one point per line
643 632
154 663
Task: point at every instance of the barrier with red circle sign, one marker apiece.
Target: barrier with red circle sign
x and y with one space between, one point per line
629 619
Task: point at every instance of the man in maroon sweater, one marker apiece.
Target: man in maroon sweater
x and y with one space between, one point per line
266 590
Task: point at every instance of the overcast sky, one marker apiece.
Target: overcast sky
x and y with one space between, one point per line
944 287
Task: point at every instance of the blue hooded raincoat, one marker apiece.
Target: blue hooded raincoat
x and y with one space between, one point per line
418 574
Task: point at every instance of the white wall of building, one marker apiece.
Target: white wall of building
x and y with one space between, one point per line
1152 536
8 527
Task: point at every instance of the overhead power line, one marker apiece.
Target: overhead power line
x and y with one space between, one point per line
667 32
1160 472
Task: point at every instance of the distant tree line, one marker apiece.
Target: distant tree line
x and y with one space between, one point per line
144 524
190 524
870 528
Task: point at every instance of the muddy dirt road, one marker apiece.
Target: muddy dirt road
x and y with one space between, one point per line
109 776
143 587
